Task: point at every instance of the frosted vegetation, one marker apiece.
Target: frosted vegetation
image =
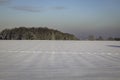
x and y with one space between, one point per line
23 33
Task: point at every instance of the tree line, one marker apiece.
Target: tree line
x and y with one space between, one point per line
92 37
34 33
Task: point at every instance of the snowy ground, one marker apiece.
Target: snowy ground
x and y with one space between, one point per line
59 60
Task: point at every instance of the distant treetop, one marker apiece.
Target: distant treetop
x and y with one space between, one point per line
35 33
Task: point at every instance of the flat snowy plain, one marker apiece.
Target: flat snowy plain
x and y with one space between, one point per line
59 60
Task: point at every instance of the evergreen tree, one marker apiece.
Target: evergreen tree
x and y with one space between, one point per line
23 33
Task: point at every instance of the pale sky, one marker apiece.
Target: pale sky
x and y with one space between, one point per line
78 17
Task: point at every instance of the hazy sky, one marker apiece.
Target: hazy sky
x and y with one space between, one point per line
79 17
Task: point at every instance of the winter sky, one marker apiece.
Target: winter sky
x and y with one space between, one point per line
79 17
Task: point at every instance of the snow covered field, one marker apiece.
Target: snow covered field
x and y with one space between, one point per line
59 60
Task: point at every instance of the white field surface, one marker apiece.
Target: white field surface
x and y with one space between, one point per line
59 60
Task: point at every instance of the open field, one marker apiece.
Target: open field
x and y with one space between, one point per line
59 60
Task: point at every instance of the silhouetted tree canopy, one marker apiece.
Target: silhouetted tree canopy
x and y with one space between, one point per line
39 33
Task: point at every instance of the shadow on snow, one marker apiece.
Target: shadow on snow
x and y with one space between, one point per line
114 46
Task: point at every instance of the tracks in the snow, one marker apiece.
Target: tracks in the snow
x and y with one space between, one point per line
59 60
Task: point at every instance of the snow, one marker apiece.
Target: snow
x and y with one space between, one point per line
59 60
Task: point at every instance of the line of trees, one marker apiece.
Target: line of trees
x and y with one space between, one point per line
92 37
43 33
40 33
